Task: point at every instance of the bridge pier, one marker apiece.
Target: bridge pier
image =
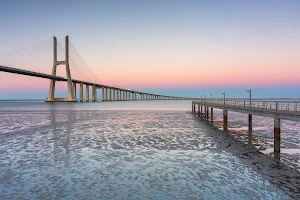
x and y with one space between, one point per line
198 109
94 93
225 119
106 93
103 94
70 97
277 134
81 92
211 113
74 91
87 95
250 122
112 92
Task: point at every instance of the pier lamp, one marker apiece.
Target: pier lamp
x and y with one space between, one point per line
250 96
224 97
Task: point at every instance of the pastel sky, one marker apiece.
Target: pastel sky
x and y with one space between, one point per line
207 45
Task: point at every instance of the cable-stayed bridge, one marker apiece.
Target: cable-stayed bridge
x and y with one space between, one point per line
282 109
109 93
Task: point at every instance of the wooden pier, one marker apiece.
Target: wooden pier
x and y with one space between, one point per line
277 109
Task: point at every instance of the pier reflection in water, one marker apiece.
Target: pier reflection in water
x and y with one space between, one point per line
133 154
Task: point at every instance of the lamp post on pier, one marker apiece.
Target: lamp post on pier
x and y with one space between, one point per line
224 97
250 96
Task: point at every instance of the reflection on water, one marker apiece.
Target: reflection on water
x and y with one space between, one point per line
133 155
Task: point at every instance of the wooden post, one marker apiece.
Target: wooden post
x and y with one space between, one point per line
250 122
276 134
225 119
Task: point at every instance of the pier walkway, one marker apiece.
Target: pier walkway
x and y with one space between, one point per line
274 108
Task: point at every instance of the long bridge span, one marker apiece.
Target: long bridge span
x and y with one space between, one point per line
109 93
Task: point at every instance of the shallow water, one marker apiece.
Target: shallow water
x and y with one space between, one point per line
141 150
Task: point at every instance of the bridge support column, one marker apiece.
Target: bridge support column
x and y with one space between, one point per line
211 113
250 122
276 134
201 110
225 119
87 93
114 94
198 109
117 95
70 97
103 94
94 93
74 91
106 94
81 92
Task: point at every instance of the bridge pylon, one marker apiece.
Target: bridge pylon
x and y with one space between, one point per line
71 97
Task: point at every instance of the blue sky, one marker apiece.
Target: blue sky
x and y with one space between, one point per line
200 45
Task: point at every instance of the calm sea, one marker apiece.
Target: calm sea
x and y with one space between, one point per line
141 150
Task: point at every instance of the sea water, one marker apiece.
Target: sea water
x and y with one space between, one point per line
141 150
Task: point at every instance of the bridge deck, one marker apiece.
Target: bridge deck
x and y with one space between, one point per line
58 78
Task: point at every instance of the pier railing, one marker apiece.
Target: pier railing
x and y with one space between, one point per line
282 106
